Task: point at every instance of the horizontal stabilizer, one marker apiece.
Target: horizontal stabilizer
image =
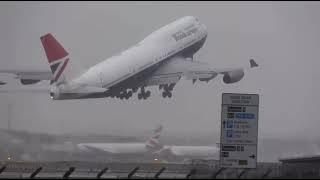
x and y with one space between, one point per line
26 89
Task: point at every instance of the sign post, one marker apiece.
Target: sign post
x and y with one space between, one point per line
239 130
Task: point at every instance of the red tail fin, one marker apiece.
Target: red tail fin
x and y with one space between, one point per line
53 48
56 55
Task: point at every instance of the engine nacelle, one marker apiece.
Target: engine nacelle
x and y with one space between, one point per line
207 79
28 81
54 92
233 76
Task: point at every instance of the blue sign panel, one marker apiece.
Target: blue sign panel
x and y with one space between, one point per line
245 115
229 124
229 133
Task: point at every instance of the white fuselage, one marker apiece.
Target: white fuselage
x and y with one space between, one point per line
193 151
158 46
115 148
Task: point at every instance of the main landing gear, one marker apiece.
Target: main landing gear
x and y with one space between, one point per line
167 90
125 95
143 94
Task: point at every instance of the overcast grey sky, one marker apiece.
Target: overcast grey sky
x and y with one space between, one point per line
283 37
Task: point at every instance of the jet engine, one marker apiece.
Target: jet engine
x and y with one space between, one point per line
207 79
233 76
28 81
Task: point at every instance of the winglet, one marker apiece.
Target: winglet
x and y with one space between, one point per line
253 63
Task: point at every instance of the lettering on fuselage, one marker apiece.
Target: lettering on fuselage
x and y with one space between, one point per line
185 32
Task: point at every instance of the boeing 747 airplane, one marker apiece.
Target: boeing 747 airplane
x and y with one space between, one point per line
125 149
161 59
151 148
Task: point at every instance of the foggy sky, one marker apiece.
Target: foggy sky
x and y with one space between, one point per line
283 37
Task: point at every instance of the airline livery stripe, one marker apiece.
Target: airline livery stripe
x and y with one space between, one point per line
54 67
142 67
61 69
157 136
153 142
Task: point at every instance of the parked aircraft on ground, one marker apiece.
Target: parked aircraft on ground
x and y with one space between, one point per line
126 148
152 148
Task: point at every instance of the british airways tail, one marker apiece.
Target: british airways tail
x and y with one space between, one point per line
62 69
57 57
153 142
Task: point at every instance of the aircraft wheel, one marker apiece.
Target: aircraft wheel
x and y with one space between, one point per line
169 94
135 90
166 87
144 95
171 87
139 96
130 93
148 93
164 94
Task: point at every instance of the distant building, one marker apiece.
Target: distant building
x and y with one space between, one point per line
301 166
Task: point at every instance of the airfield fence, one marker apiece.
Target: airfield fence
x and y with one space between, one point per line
193 170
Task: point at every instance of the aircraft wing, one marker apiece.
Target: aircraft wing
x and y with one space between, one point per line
99 148
29 76
188 151
178 67
92 149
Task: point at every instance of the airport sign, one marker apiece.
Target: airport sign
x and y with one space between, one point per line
239 127
240 99
238 156
239 130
